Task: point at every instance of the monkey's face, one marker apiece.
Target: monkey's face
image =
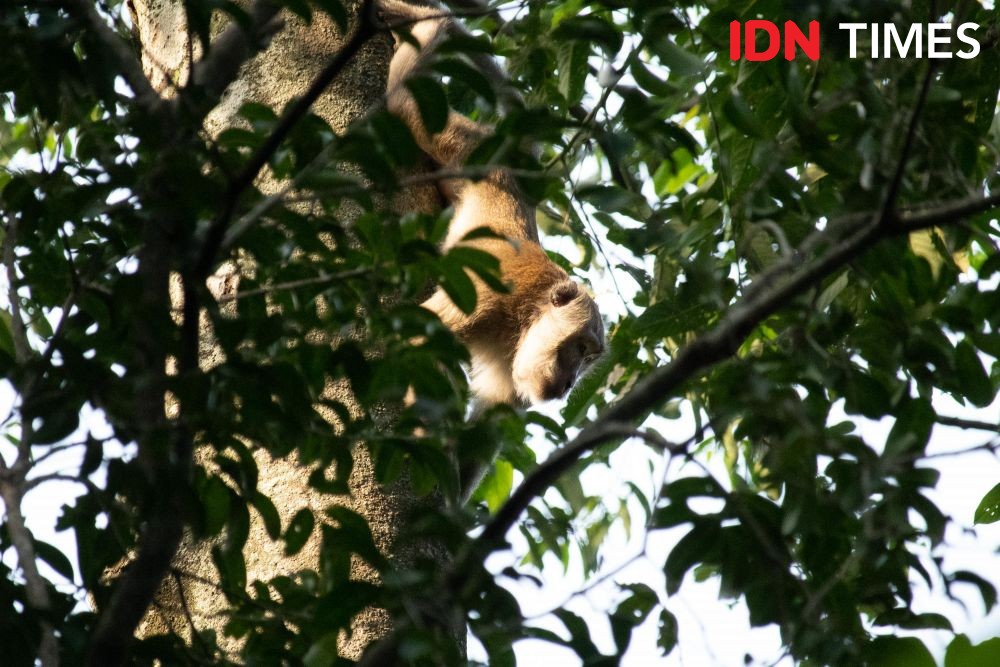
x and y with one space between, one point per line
559 345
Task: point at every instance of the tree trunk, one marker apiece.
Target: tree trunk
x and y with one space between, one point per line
275 76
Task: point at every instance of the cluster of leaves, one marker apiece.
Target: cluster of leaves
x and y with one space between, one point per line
694 173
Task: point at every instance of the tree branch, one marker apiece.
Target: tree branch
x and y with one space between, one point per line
165 445
12 478
704 351
161 536
135 589
892 192
990 447
35 585
946 213
322 279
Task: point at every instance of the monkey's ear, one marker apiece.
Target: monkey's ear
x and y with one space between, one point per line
564 292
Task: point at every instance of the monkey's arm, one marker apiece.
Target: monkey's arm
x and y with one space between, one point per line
428 27
494 200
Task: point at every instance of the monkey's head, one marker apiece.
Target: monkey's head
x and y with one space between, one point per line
559 345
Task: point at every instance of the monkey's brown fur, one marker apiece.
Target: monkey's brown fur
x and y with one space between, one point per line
530 344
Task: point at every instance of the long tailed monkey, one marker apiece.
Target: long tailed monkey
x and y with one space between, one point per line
530 344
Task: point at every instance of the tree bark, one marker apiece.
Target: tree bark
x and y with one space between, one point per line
274 77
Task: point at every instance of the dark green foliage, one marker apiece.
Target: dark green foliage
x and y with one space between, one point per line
688 177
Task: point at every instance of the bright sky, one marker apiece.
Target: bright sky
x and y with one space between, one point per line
714 632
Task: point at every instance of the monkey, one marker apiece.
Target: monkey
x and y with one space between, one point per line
530 344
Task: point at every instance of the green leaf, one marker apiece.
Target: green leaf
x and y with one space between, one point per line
323 652
592 29
268 514
572 59
961 653
833 290
580 635
989 507
432 102
666 637
354 533
669 319
986 589
866 395
611 198
630 613
482 263
689 551
6 339
495 488
215 504
298 532
738 112
261 117
906 619
457 284
648 80
677 59
467 75
912 430
396 137
57 423
56 559
898 652
587 390
92 457
936 520
972 377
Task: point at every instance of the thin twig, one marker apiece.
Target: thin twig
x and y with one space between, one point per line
59 477
892 192
990 447
196 637
56 449
668 450
321 279
971 424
